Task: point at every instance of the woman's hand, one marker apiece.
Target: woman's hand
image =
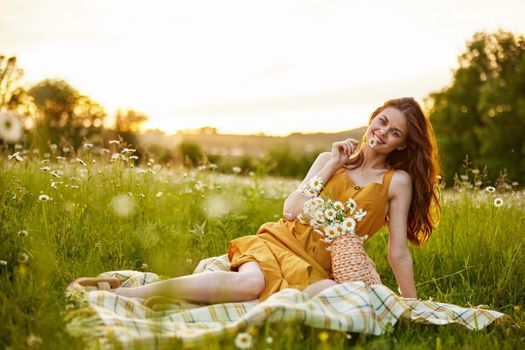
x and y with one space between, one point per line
342 150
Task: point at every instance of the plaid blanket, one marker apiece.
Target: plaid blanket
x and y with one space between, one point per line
108 321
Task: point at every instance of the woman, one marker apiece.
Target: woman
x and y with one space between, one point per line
393 178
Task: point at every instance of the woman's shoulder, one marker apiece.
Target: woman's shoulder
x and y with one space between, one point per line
401 182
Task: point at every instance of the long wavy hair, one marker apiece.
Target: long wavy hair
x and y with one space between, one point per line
420 159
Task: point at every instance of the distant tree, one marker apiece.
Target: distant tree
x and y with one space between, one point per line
66 113
13 96
482 113
190 152
129 121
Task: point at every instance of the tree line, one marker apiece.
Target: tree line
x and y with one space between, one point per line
480 115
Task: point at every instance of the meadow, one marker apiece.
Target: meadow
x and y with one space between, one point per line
66 215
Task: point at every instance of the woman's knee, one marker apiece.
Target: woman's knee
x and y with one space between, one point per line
251 282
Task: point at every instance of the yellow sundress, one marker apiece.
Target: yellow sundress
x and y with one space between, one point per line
291 254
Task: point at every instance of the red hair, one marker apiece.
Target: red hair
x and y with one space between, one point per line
420 160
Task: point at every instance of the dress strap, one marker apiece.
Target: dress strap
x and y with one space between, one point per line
388 178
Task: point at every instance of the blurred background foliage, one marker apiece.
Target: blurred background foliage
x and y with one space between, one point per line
481 114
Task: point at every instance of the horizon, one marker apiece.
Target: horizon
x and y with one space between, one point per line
319 66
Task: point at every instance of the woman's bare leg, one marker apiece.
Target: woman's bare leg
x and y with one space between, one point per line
206 287
318 287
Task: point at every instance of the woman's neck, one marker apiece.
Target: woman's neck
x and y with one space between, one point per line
373 160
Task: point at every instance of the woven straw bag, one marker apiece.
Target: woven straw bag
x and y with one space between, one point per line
350 262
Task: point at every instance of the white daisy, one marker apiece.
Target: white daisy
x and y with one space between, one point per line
490 189
498 202
159 194
349 225
3 263
319 217
330 232
45 168
10 127
329 214
236 169
359 215
22 233
339 229
43 198
319 201
114 142
23 258
316 183
16 156
372 142
80 161
243 341
352 205
338 205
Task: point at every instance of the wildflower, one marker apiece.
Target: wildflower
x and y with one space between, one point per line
316 183
60 159
57 173
127 150
360 214
478 183
45 168
22 233
44 198
269 340
243 341
33 341
338 205
323 336
329 214
213 166
515 183
352 205
144 266
53 147
349 225
16 156
199 186
66 149
490 189
159 194
339 229
475 171
10 127
372 142
330 232
3 263
23 258
464 177
236 169
81 161
517 308
114 142
88 145
498 202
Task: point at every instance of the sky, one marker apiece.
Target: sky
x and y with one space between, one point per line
248 66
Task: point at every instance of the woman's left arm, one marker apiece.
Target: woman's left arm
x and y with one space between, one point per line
399 257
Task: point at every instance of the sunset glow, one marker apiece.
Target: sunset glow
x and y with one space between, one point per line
246 67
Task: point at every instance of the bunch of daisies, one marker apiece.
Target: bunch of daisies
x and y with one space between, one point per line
329 218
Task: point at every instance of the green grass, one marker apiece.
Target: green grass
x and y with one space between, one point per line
475 257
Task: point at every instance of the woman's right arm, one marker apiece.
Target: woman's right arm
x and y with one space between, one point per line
323 167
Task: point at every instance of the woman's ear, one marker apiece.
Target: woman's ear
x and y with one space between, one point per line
402 147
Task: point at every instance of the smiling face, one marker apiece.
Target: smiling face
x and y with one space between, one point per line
390 129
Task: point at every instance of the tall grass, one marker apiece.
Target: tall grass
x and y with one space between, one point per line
111 215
